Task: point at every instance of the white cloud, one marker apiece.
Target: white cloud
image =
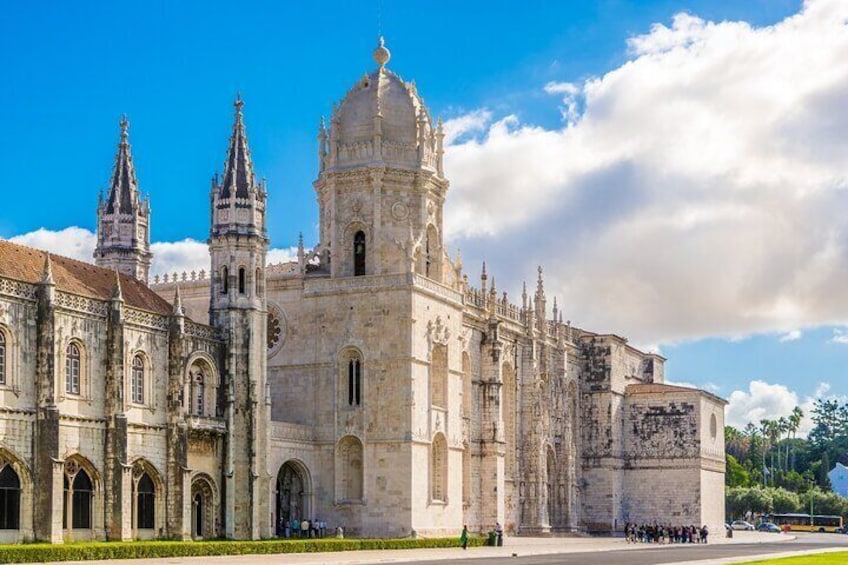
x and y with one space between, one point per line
698 191
793 335
74 242
839 336
168 257
771 401
766 401
474 122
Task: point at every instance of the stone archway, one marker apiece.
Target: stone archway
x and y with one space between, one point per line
293 494
202 508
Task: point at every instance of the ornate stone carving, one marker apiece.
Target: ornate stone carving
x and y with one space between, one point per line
437 332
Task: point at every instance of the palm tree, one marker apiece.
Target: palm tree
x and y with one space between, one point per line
795 423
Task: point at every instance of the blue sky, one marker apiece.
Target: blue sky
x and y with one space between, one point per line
663 207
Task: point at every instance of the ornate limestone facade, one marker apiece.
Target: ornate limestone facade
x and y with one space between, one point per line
367 384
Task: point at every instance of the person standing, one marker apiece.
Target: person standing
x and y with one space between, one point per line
463 537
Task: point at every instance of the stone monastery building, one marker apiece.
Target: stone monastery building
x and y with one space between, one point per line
369 384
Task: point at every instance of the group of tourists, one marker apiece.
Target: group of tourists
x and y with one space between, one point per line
658 533
314 528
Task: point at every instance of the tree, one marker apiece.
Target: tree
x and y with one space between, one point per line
735 475
786 501
795 423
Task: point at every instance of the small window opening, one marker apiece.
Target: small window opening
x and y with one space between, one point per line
241 280
354 382
225 281
359 254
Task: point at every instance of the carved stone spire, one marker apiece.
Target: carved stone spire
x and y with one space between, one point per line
178 302
123 219
117 293
47 276
123 188
238 168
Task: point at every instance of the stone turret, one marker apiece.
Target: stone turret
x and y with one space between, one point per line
238 243
381 186
123 218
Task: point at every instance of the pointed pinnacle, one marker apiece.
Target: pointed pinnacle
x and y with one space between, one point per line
117 294
125 126
47 277
178 302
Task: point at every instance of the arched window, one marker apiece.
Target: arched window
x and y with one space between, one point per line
354 381
138 380
258 289
73 368
145 503
79 495
241 280
10 498
225 281
198 393
359 254
439 469
2 357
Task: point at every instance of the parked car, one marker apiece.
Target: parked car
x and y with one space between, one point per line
742 525
768 527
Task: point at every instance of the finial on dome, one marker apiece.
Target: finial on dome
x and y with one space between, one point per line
381 53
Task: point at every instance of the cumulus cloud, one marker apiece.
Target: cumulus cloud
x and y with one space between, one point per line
769 401
696 190
76 243
168 257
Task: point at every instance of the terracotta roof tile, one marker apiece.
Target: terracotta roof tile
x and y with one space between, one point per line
26 264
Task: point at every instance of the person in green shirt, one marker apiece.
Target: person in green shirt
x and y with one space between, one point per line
463 537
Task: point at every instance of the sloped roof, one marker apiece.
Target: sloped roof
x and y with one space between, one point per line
660 388
26 264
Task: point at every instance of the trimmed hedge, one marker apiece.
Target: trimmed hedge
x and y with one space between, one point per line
33 553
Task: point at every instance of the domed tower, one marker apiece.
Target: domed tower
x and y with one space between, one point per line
381 186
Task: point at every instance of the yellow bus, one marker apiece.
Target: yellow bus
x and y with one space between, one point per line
807 523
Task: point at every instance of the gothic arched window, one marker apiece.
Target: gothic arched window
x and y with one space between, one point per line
241 281
354 381
198 393
137 380
145 503
10 498
225 280
73 368
79 492
359 254
2 357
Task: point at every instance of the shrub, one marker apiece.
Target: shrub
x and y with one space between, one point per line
33 553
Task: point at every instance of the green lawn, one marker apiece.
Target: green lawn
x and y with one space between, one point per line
837 558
